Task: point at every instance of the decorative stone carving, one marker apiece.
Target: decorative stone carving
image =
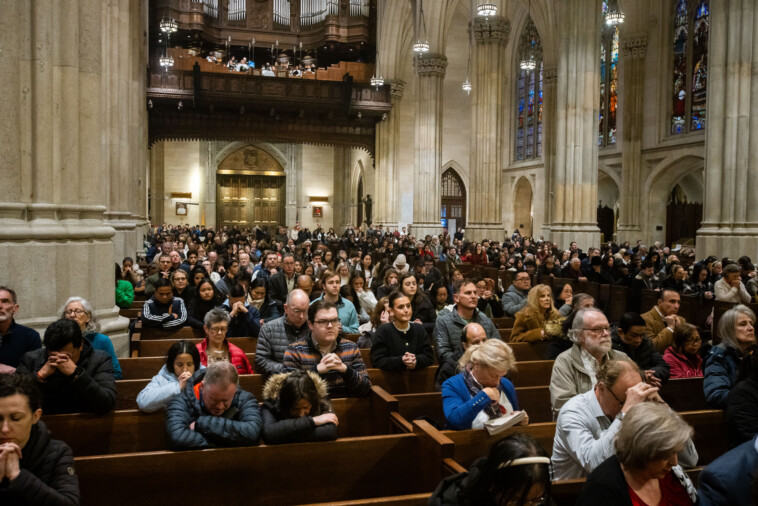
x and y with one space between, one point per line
550 76
431 64
495 29
397 88
634 46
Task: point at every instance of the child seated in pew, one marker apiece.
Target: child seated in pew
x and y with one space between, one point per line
296 409
34 469
212 411
481 392
401 345
182 361
163 310
516 472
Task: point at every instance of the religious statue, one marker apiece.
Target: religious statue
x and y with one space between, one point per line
368 205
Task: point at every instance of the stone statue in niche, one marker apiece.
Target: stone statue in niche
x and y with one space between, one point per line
368 206
251 157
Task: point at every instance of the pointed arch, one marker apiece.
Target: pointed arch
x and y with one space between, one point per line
453 196
523 201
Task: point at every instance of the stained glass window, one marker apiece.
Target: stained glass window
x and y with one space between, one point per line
609 81
690 66
529 96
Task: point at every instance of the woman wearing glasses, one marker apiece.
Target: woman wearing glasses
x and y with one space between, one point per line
683 355
80 311
216 348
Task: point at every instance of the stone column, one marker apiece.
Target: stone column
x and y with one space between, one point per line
574 181
426 175
549 82
633 50
487 116
730 214
387 198
54 240
342 205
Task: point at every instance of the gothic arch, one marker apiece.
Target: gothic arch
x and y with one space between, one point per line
523 207
453 195
269 148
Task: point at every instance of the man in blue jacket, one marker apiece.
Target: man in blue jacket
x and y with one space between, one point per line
213 411
728 480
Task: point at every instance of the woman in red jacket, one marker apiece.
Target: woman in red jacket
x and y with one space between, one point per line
683 355
215 346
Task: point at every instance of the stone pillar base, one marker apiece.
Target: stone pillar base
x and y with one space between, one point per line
420 230
629 233
585 235
480 231
726 242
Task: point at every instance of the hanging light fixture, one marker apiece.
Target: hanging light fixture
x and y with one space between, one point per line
377 79
486 9
420 47
529 62
168 25
466 86
166 61
613 16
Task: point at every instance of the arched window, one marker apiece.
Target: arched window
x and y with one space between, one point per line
453 200
690 78
529 97
609 81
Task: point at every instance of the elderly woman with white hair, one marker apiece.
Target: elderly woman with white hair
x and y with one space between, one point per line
481 392
575 370
79 310
736 328
645 469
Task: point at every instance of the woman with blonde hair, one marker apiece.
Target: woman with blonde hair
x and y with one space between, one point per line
480 392
538 320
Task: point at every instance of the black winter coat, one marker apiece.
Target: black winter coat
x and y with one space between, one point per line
240 425
423 309
645 355
742 412
91 391
47 474
449 491
389 345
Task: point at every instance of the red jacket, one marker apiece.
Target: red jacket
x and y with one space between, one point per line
682 366
236 356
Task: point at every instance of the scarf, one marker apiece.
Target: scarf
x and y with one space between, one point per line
494 410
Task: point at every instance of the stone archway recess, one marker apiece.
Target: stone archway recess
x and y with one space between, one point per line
522 207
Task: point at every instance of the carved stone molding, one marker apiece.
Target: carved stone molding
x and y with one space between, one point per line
431 64
495 29
397 88
550 75
634 46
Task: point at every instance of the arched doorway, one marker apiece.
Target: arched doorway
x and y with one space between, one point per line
250 190
360 202
684 211
453 201
522 207
607 206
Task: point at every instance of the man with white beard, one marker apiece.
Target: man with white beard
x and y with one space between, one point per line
15 339
575 370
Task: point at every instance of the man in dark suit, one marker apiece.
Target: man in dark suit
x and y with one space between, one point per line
728 480
283 282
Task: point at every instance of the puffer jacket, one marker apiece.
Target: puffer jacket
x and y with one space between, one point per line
720 373
449 491
280 428
47 474
513 300
273 341
240 425
92 391
158 393
742 412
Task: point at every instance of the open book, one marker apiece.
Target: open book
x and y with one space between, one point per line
499 425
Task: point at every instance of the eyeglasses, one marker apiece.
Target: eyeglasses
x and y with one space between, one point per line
599 330
621 403
327 323
77 312
298 311
218 330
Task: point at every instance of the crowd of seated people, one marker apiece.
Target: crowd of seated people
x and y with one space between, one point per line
299 292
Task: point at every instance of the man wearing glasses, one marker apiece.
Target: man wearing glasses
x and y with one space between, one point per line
575 370
278 334
338 361
589 422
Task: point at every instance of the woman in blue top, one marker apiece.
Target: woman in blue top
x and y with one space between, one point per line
481 392
79 310
182 361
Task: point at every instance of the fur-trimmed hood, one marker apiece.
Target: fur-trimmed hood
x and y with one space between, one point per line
274 385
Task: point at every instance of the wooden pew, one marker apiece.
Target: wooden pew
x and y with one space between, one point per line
504 323
381 468
146 367
159 347
147 333
130 313
530 351
396 500
505 334
131 431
